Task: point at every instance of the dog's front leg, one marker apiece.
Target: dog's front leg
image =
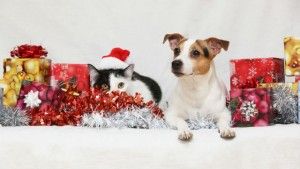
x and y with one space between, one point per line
223 123
174 120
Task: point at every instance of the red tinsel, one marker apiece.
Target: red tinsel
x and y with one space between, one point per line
29 51
67 109
115 101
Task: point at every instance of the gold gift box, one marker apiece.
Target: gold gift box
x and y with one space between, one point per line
292 86
292 56
18 69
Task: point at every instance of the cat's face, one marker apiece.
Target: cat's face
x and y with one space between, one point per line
111 79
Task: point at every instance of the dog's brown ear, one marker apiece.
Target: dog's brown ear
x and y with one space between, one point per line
215 45
173 39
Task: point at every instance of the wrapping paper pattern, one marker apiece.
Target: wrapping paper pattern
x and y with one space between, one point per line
284 98
248 73
250 107
292 56
46 94
65 72
18 69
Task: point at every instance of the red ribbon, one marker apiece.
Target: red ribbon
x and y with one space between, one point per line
29 51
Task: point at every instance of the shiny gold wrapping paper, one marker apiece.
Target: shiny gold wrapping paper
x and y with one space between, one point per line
292 56
18 69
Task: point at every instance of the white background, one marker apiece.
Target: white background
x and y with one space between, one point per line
78 31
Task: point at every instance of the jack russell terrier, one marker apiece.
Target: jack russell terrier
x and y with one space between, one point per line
199 92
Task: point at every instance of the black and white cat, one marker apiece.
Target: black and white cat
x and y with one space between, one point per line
125 80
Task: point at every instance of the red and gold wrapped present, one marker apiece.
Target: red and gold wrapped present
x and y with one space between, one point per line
250 107
292 56
284 100
248 73
63 73
30 65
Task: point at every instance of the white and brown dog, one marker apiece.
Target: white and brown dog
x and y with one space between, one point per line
199 92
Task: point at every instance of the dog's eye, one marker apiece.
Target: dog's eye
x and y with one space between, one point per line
120 85
195 53
104 86
176 51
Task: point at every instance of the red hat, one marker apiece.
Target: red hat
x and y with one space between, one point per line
121 54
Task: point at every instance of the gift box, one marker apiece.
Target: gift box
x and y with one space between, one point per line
35 94
250 107
284 100
64 73
48 105
292 56
18 69
248 73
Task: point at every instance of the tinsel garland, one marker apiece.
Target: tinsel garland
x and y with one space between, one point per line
286 105
138 118
109 110
13 117
126 118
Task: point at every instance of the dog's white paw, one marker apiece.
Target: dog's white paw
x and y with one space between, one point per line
185 135
227 133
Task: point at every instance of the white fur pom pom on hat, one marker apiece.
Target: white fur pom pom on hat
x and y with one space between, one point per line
115 60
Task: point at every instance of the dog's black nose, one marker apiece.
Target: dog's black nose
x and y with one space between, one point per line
176 64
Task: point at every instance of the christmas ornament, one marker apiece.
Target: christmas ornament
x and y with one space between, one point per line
13 117
32 99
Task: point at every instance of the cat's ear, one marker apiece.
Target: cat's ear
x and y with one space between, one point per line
93 74
128 71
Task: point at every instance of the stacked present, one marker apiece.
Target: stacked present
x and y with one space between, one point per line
259 95
27 63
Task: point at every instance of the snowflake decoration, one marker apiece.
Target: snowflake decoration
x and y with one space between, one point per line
271 73
264 61
252 72
249 110
235 81
32 99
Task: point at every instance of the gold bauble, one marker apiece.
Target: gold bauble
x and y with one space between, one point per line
16 79
7 76
32 66
29 77
11 98
12 85
21 75
39 77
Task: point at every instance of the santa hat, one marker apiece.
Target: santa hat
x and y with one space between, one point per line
116 59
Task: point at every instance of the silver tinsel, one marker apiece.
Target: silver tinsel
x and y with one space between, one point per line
137 118
13 117
285 103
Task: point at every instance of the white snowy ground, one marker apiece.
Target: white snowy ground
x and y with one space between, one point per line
88 148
